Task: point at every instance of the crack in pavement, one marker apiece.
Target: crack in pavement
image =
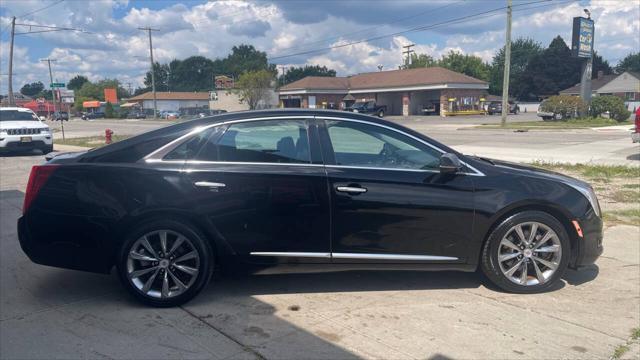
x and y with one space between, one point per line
238 342
547 315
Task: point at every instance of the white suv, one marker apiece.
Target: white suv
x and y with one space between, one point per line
21 129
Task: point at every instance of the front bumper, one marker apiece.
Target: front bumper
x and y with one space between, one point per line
15 142
588 247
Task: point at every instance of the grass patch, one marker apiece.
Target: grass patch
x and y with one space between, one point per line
628 216
626 196
635 334
90 141
582 123
619 351
594 171
632 186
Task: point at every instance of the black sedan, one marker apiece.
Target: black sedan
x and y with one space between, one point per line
269 188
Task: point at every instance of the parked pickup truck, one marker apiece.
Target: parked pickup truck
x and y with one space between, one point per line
368 107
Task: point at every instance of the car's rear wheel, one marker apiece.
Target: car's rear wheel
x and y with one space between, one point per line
381 113
526 253
165 263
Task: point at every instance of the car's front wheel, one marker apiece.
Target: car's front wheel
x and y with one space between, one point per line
165 263
526 253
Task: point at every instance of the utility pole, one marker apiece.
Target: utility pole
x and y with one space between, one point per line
408 53
53 94
153 76
12 101
284 70
507 68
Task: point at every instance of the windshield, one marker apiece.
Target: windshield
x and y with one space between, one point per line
360 104
15 115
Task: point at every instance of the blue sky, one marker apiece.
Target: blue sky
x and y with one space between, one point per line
112 47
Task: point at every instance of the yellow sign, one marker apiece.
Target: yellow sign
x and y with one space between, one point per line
452 99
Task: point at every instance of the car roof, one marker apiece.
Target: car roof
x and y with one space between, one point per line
14 108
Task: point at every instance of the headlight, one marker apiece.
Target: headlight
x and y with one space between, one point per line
45 130
590 195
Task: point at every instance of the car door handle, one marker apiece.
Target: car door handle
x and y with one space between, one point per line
351 189
209 184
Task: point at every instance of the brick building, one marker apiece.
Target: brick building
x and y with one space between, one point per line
404 92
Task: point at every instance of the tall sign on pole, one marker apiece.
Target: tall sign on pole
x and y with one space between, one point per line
582 47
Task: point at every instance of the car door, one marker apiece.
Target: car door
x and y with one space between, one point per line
262 184
390 203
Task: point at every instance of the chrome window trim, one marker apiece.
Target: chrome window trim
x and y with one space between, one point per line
392 257
355 256
156 156
475 173
292 254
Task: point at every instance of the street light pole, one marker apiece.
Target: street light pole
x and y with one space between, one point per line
507 68
12 101
153 76
53 95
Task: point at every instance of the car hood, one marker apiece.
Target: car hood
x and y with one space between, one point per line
29 124
531 171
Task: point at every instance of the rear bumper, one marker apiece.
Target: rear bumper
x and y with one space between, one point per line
14 142
589 247
58 254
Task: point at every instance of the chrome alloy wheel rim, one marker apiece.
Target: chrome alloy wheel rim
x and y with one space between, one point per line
163 264
529 253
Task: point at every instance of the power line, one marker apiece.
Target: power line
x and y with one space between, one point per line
372 27
415 29
38 10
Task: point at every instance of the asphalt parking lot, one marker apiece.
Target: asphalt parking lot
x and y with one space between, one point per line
54 313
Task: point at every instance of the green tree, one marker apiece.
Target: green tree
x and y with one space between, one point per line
161 73
467 64
246 58
76 82
549 72
254 87
630 62
32 89
421 60
522 50
600 64
296 73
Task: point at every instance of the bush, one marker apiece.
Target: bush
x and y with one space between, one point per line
611 104
567 106
108 111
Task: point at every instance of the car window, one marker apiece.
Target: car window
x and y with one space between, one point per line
189 149
271 141
15 115
364 145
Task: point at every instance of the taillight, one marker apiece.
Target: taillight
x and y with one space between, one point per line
37 179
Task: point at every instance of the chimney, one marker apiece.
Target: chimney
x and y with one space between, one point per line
600 74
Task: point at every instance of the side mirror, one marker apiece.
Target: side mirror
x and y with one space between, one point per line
449 164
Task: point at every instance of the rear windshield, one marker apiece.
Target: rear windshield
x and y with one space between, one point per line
15 115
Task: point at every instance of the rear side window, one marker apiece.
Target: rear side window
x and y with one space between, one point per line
271 141
190 148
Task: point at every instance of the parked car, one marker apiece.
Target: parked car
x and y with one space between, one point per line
21 129
432 108
368 107
495 107
60 116
93 115
137 115
294 187
169 114
635 135
205 113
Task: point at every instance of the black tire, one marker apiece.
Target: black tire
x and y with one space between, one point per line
196 238
380 113
489 259
47 149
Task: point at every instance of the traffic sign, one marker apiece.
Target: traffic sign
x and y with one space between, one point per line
57 85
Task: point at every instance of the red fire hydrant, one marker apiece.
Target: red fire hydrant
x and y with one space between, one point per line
107 136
